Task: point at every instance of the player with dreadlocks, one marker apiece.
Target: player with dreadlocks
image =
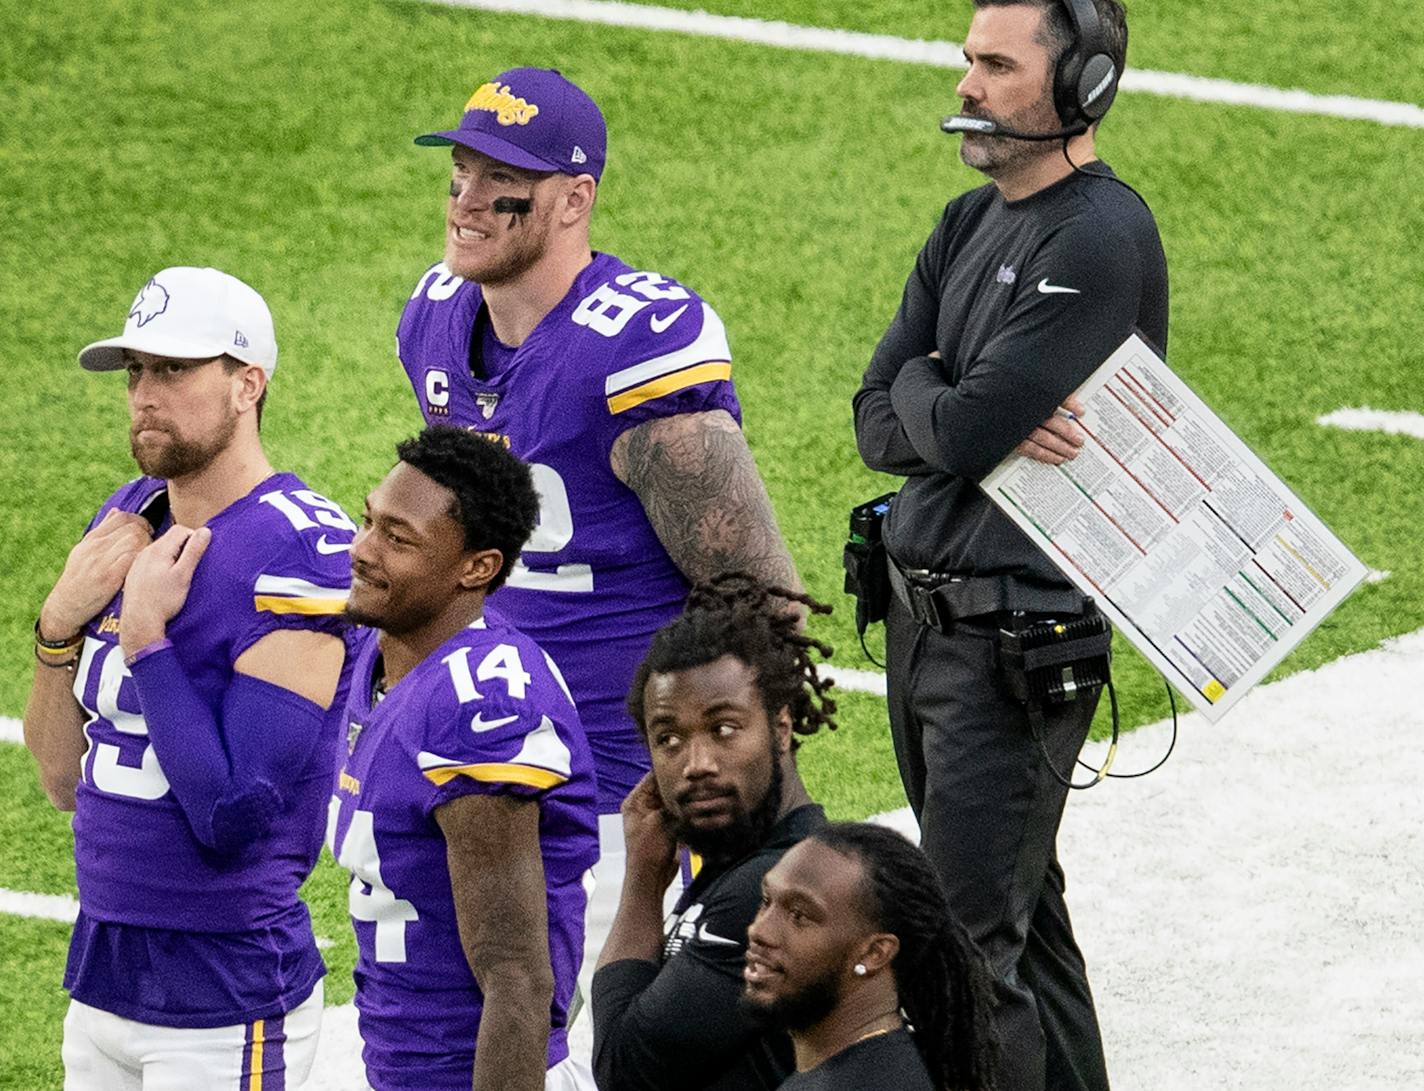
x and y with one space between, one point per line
719 699
856 953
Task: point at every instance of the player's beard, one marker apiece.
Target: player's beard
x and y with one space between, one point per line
800 1010
746 832
525 242
179 457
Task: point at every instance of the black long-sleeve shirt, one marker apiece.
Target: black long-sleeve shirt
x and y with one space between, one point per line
1023 300
677 1026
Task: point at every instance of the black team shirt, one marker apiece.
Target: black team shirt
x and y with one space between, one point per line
1023 300
676 1026
886 1062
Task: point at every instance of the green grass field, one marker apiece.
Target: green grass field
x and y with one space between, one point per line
791 189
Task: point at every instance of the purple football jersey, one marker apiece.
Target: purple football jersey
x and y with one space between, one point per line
170 932
486 712
594 583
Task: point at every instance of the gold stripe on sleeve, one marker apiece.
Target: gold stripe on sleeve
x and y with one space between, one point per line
497 773
668 384
281 604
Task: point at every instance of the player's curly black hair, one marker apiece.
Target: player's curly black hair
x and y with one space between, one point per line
945 988
736 614
495 499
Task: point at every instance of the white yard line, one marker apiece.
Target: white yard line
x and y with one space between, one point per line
1364 419
846 678
45 907
940 54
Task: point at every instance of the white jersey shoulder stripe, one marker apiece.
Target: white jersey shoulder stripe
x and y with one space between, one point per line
711 344
542 749
298 588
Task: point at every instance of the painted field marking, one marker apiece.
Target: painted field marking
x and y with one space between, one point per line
1362 418
45 907
940 54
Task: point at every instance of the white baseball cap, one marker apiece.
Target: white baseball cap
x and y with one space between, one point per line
192 314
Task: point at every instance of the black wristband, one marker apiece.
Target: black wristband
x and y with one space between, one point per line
57 645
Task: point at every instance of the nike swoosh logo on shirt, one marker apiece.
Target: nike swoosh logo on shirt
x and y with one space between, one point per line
1050 289
711 937
660 324
479 723
323 546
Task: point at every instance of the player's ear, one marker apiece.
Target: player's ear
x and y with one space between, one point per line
579 195
481 566
781 727
878 951
249 384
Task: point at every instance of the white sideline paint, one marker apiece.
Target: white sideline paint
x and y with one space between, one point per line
1364 419
854 680
940 54
849 678
45 907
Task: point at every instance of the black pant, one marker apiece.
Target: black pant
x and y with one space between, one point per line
989 810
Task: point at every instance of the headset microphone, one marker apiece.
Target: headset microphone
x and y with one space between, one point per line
982 126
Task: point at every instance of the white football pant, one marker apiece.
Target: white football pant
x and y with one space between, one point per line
106 1052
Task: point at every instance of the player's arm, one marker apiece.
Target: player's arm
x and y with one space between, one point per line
501 907
636 932
1050 342
93 574
671 1026
879 436
661 1027
233 773
699 485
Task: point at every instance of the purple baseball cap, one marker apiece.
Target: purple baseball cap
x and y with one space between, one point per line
532 118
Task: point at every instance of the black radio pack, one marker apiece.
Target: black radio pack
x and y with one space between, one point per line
1056 662
865 562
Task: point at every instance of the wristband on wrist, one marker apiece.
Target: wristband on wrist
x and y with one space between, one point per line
48 657
147 650
68 644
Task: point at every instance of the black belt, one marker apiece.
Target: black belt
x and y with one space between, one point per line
940 599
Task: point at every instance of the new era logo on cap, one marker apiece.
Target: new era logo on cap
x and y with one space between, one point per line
530 118
187 313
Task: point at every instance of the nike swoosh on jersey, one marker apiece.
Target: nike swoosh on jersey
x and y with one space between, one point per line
323 546
1052 289
479 723
660 324
704 936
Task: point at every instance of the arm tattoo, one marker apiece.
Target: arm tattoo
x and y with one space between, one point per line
700 488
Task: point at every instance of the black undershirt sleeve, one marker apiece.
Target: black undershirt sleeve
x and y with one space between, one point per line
883 443
667 1028
1049 343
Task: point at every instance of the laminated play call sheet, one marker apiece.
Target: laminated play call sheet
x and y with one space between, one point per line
1201 557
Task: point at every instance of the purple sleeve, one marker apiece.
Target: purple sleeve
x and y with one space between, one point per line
231 778
497 745
298 587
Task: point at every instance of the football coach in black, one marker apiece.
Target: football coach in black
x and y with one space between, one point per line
1024 287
